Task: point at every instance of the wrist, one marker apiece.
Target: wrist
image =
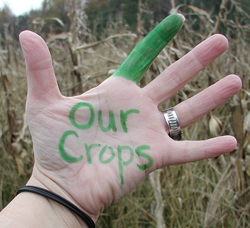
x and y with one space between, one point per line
64 209
32 210
60 200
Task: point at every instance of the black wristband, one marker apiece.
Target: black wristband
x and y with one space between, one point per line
60 200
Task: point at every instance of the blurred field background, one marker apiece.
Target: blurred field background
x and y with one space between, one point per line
88 40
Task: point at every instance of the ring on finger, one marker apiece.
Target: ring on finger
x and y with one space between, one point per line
173 123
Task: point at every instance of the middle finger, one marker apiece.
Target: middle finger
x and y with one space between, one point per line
182 71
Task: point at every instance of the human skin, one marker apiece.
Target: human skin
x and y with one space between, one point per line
82 159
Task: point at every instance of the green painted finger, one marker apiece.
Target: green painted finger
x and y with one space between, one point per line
141 57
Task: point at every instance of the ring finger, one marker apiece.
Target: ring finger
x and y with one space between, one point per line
190 110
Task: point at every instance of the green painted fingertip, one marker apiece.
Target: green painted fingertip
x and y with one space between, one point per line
143 54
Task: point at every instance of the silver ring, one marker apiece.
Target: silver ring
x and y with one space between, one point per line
173 123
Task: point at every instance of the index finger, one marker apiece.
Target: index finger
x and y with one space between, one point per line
141 57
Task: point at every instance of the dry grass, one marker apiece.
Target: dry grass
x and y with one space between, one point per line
209 193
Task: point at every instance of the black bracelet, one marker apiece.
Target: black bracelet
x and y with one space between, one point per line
60 200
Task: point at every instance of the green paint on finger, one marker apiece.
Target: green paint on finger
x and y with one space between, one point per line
142 56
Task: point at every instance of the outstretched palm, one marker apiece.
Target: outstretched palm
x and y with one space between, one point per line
108 139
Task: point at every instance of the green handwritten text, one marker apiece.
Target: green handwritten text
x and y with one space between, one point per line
87 111
82 116
64 155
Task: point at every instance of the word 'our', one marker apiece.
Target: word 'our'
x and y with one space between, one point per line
112 124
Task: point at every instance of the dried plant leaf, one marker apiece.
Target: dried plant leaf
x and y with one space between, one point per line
199 11
58 20
62 36
247 163
215 126
246 123
104 40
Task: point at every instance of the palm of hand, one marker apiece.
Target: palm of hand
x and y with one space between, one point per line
79 140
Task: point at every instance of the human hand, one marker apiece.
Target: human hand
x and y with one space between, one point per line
95 148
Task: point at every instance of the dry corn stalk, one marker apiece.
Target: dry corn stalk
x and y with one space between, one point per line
155 179
214 199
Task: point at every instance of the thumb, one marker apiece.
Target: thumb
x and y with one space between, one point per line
42 85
